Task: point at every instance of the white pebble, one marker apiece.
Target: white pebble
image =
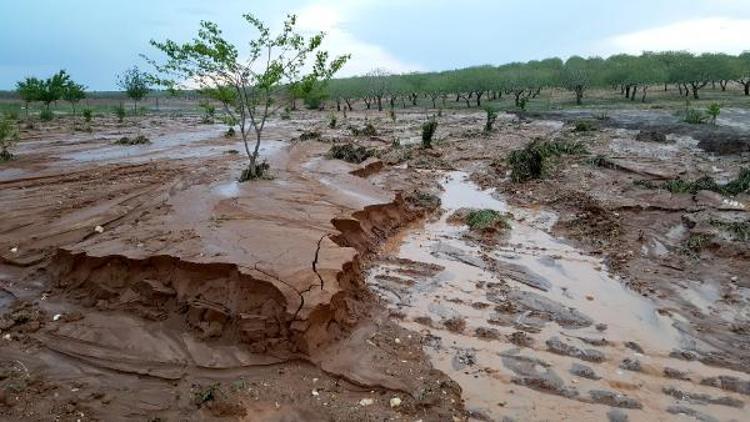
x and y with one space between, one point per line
395 402
366 402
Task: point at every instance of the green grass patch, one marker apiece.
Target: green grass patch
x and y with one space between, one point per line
738 230
486 219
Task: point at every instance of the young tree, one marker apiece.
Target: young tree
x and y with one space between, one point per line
274 62
54 88
73 94
136 84
30 91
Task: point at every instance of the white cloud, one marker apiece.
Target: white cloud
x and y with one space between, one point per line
332 19
715 34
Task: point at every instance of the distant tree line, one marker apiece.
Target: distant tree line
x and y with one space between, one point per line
631 76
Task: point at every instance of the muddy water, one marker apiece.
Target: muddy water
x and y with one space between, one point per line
510 322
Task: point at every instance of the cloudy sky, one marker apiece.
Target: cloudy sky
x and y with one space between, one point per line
96 39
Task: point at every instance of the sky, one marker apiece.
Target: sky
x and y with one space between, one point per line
94 40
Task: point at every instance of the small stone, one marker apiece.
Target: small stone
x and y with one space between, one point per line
315 393
601 327
7 337
395 402
56 317
397 340
99 229
366 402
14 249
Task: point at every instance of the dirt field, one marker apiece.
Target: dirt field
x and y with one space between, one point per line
142 283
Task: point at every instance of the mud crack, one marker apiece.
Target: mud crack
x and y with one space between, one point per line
315 260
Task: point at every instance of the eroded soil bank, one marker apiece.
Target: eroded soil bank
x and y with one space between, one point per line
141 282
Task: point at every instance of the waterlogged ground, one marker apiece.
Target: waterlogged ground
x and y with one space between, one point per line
535 329
141 282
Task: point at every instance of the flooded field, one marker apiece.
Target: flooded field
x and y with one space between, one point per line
535 317
136 278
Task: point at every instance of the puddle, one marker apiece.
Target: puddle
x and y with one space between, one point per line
472 302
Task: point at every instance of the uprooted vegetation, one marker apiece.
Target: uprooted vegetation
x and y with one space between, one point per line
734 187
138 140
533 160
350 153
368 130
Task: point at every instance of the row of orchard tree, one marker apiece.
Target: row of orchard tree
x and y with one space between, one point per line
630 76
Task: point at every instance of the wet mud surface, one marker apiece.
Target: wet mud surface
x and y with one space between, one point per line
143 283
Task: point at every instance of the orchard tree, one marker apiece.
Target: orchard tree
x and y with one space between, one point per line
273 63
46 91
74 93
30 91
136 84
579 74
377 86
743 71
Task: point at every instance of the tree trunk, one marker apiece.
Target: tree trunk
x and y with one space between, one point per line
380 103
627 91
635 90
665 87
579 95
433 102
723 85
479 98
643 98
680 88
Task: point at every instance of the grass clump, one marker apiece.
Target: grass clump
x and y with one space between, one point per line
584 126
738 230
713 111
736 186
138 140
8 138
88 115
490 121
309 135
350 153
332 121
203 395
46 115
695 243
368 130
695 117
533 160
428 131
740 184
120 112
486 219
